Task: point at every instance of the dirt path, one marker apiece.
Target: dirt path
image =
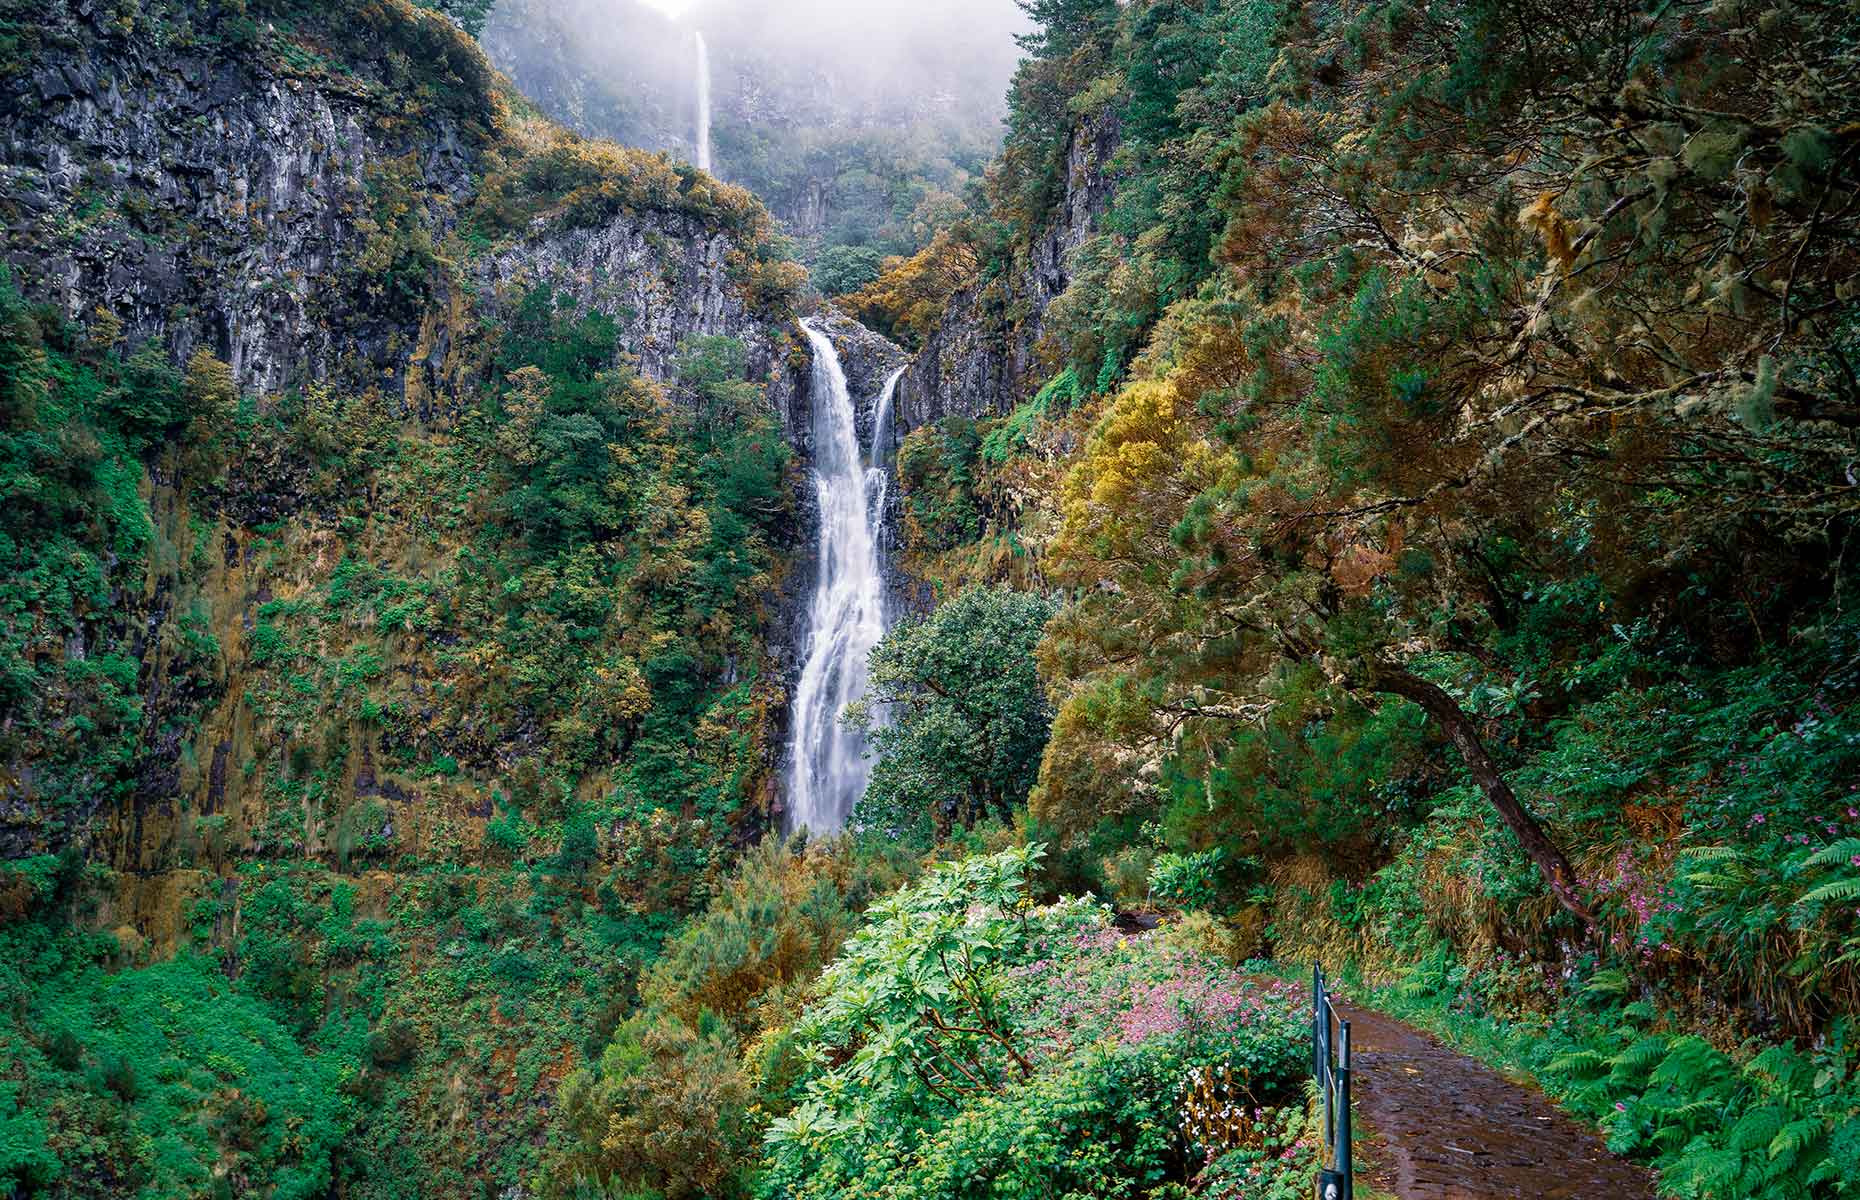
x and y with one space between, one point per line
1444 1127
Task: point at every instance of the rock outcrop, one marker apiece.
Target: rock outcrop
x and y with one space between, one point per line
351 206
290 218
216 198
983 358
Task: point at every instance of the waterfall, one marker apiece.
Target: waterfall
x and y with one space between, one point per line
703 104
827 770
878 472
881 421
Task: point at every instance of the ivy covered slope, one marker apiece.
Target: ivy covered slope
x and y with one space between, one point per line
1444 436
396 499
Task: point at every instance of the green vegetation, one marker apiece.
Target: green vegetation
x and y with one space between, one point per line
1448 594
969 1043
470 14
966 717
79 413
1429 553
165 1081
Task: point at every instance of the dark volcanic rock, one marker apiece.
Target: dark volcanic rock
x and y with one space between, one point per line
982 361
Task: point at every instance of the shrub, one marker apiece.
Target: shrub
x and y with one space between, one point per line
1185 881
968 1043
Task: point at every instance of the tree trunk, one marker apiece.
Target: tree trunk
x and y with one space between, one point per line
1459 725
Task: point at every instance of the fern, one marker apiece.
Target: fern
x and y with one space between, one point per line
1795 1137
1581 1064
1691 1067
1640 1058
1838 854
1758 1127
1779 1064
1709 1169
1612 981
1835 892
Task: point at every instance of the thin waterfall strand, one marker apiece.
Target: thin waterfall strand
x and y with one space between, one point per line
703 104
827 768
878 469
881 421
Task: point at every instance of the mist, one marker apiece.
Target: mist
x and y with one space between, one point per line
623 68
901 47
859 122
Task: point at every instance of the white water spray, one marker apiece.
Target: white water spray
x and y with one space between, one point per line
881 421
878 464
827 769
703 104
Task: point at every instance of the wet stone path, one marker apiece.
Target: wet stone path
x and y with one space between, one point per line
1441 1126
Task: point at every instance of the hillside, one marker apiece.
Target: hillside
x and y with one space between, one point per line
399 503
1368 485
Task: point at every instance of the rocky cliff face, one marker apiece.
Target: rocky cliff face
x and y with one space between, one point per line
663 278
984 357
342 206
240 203
214 199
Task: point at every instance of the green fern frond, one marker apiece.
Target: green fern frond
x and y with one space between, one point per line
1758 1127
1641 1057
1698 1111
1579 1063
1843 851
1690 1067
1833 892
1611 981
1668 1136
1710 1171
1795 1137
1780 1063
1704 854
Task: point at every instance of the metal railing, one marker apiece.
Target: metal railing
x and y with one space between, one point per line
1330 1066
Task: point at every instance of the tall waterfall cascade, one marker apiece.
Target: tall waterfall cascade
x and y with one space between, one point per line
703 103
827 768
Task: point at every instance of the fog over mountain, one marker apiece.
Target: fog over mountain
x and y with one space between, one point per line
857 122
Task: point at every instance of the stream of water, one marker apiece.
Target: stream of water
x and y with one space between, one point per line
703 103
827 768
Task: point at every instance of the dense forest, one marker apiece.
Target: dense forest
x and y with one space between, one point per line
1365 484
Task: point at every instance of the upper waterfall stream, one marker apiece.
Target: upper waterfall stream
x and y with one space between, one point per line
827 769
703 103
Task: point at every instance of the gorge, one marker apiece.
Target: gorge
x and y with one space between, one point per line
830 599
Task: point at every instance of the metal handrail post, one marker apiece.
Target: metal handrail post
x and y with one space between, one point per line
1344 1162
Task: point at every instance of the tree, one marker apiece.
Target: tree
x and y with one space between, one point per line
469 15
968 714
667 1108
715 368
905 300
1418 387
843 269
